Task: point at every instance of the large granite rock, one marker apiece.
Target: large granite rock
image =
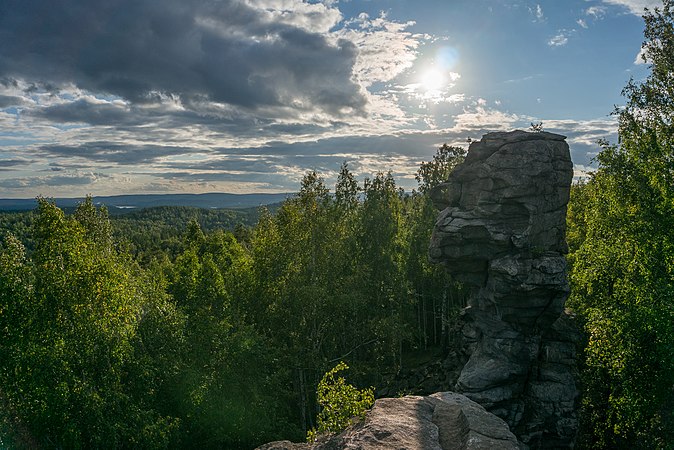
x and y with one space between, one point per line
442 421
501 233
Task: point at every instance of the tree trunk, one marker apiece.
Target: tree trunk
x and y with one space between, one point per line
303 398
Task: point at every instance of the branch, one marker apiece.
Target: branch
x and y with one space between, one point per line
353 350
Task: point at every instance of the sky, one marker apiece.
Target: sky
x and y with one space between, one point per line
108 97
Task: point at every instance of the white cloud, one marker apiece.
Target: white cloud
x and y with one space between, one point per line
460 98
642 57
558 40
597 12
482 119
434 87
385 48
582 172
537 12
585 133
635 6
313 17
582 23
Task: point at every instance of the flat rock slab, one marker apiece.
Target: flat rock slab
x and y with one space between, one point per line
442 421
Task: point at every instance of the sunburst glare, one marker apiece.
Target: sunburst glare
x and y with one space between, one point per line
433 80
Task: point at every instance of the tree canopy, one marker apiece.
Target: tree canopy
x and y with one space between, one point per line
211 337
621 231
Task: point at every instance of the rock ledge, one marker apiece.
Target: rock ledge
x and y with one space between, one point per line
442 421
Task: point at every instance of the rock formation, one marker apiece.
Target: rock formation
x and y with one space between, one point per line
501 233
442 421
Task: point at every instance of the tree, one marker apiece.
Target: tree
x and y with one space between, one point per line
346 189
75 309
622 283
384 246
224 390
436 171
340 402
437 296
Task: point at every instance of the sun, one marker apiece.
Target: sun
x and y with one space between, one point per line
433 80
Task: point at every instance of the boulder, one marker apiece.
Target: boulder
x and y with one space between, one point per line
442 421
501 232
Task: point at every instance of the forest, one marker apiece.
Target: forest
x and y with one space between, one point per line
215 332
122 338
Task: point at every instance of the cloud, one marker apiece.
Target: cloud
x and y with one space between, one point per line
111 152
7 101
194 69
583 136
386 49
636 7
247 54
193 95
481 119
312 17
86 111
11 164
70 179
274 166
596 12
642 57
582 23
537 12
523 79
560 39
581 172
434 87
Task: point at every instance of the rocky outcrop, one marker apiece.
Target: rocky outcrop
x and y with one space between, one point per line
501 233
442 421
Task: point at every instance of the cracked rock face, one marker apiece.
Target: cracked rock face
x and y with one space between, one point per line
501 233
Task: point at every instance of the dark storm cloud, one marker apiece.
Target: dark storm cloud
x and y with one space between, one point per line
224 51
110 152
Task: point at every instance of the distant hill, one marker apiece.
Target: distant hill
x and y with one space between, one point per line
149 230
125 203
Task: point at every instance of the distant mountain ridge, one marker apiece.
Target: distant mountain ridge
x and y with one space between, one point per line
118 203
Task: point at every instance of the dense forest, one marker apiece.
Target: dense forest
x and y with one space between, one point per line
132 335
182 329
149 230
